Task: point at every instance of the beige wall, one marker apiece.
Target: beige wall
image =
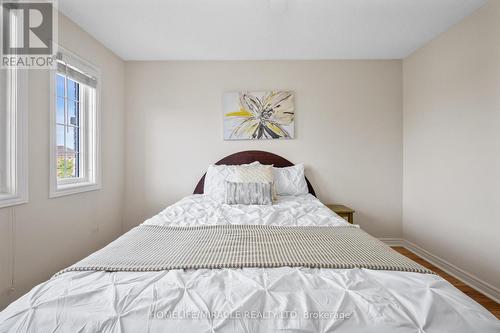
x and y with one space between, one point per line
45 235
451 196
348 131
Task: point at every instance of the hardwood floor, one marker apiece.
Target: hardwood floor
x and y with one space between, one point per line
488 303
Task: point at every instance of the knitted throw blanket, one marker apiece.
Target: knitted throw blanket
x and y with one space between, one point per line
155 248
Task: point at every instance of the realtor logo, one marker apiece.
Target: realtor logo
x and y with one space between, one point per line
28 33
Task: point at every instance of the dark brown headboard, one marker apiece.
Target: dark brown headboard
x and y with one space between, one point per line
249 156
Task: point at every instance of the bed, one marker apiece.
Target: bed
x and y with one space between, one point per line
245 298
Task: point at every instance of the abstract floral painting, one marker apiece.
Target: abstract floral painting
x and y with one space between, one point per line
258 115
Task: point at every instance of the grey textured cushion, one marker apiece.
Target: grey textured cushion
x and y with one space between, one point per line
249 193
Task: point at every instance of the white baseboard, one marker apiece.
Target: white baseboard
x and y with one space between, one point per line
392 241
466 277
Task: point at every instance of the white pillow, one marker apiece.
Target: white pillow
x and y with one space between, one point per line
216 177
290 180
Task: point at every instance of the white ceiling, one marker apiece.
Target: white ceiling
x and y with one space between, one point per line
265 29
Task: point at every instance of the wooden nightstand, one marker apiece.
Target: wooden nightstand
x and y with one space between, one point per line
344 211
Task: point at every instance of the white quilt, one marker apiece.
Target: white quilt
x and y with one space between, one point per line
247 300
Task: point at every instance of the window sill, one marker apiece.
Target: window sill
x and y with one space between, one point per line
12 200
75 188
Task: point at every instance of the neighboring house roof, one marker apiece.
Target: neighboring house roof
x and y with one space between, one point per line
70 153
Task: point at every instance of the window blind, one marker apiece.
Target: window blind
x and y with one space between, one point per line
74 73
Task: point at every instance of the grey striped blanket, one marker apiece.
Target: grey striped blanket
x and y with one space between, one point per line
155 248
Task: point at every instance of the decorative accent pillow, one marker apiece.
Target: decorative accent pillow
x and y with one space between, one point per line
254 173
290 180
216 176
248 193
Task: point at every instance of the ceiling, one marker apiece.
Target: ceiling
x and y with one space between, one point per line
265 29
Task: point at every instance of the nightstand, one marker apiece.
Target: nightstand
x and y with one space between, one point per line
344 211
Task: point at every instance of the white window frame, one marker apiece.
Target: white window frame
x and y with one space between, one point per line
16 126
90 134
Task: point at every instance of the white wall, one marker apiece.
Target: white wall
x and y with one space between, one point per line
451 196
45 235
348 131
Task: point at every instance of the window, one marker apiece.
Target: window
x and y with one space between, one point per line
68 134
13 133
74 126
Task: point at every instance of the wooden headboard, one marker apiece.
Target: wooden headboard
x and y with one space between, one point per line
249 156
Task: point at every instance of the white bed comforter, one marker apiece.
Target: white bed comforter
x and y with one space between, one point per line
247 300
303 210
